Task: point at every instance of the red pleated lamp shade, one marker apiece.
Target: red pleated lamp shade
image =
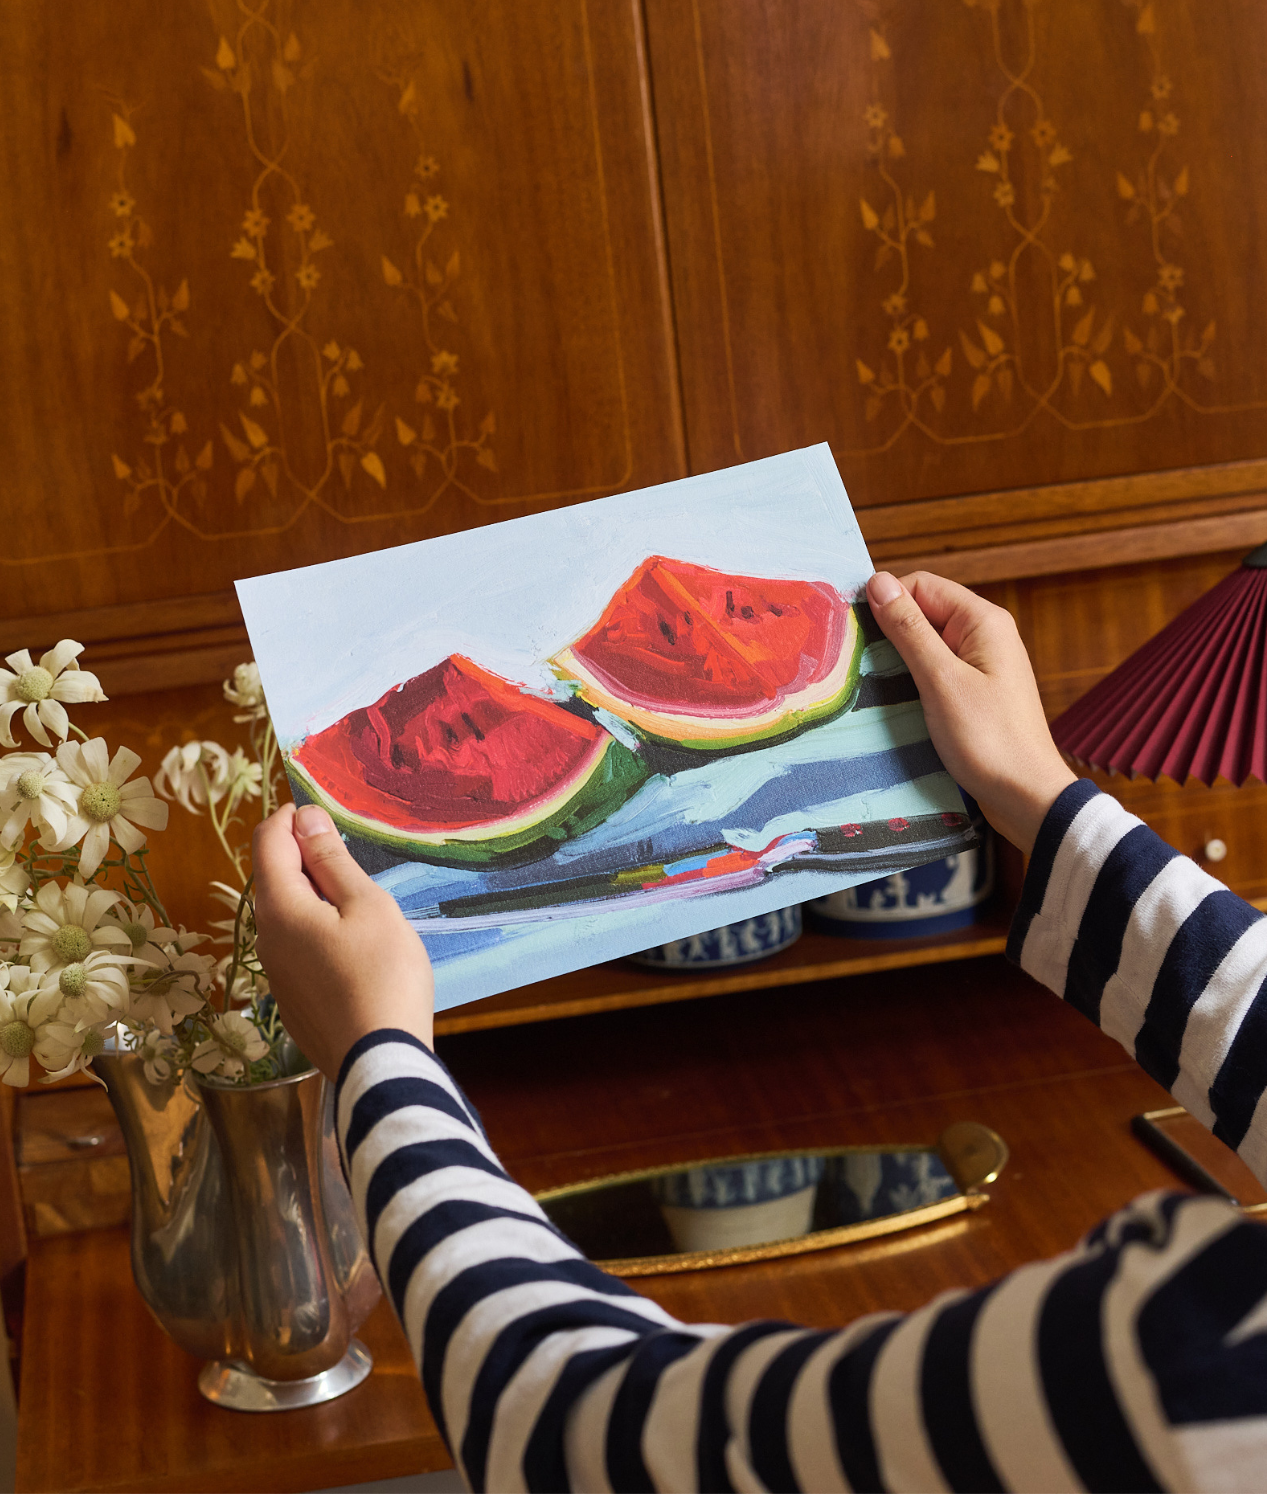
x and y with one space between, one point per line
1192 702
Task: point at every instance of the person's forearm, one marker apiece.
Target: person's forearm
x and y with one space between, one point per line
545 1373
1165 958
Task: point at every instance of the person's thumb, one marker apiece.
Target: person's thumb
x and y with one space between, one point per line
326 859
907 629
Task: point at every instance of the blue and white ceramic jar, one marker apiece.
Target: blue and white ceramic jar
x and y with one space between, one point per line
732 944
930 899
871 1185
739 1203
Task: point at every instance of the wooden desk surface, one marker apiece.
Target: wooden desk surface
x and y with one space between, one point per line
108 1402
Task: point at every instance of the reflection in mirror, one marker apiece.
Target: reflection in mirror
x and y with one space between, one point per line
732 1209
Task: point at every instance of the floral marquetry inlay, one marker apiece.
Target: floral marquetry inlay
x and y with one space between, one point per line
283 250
1034 332
297 280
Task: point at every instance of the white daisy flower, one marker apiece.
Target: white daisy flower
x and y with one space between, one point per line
144 932
38 690
64 1047
248 985
108 804
34 791
231 898
13 880
235 1041
174 989
156 1057
26 1003
246 692
245 778
64 926
98 985
194 774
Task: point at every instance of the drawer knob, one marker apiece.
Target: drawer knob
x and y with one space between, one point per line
1215 850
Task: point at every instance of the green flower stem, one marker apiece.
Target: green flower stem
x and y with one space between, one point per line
219 823
244 902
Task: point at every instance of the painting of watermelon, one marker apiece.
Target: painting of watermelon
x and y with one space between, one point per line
607 725
461 768
693 657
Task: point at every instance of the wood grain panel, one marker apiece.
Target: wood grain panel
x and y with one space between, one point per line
134 1419
977 248
290 283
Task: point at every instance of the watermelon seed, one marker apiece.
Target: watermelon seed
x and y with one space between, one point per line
747 613
730 604
668 632
479 735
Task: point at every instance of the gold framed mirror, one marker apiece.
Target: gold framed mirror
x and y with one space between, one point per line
724 1211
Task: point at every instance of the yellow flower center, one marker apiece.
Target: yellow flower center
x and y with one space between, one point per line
232 1041
34 684
93 1043
100 802
30 784
71 943
73 980
137 934
17 1039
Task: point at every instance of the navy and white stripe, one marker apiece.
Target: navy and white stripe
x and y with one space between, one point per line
1136 1361
1163 956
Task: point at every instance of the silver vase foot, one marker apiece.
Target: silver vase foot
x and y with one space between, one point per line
231 1384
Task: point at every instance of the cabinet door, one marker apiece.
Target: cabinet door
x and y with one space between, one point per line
281 283
1002 252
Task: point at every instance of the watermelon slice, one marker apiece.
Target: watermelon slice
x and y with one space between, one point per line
696 658
460 767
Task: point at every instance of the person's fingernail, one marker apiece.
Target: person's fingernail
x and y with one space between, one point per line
884 588
312 820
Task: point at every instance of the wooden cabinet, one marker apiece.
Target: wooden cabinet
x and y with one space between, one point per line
1000 252
291 283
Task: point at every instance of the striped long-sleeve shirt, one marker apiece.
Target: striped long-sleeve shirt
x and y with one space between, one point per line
1138 1360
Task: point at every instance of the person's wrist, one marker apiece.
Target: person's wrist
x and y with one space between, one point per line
1021 811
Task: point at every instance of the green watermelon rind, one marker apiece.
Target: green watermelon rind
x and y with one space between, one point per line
726 734
616 778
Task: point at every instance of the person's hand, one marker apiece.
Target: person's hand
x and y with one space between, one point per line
341 968
979 695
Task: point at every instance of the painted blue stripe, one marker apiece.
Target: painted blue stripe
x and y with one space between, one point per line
1128 870
767 1413
1054 829
1198 948
945 1390
848 1393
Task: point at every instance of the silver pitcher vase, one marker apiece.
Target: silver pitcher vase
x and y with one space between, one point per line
244 1242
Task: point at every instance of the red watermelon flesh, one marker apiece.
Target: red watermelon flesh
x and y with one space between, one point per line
698 638
452 748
